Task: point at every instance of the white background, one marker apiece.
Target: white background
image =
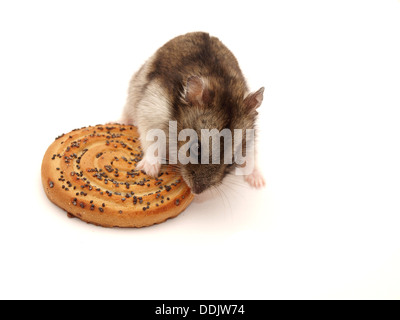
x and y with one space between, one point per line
327 224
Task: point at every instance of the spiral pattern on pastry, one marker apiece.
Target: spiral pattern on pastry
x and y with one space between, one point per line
91 173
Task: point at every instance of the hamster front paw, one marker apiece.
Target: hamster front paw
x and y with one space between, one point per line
150 165
124 120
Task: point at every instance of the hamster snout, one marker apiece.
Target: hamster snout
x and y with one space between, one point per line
202 177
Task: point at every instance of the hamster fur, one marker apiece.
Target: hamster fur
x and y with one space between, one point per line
196 81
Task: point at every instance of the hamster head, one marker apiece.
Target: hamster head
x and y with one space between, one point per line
206 115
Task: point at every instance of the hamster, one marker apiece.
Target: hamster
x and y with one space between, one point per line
196 81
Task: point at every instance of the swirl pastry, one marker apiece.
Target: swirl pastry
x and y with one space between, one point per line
90 173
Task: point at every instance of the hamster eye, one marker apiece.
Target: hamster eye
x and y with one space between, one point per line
230 167
195 151
194 148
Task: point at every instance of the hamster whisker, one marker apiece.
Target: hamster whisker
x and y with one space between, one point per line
232 180
225 199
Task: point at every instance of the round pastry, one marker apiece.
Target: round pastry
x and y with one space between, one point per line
91 173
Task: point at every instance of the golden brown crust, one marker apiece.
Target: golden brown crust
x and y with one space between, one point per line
90 173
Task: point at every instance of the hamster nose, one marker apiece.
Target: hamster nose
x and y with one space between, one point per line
198 188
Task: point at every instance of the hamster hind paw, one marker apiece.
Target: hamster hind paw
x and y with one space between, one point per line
255 179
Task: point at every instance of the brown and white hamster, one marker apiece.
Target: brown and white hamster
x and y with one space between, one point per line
196 81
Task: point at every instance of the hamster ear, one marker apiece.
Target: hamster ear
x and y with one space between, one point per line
195 90
254 100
